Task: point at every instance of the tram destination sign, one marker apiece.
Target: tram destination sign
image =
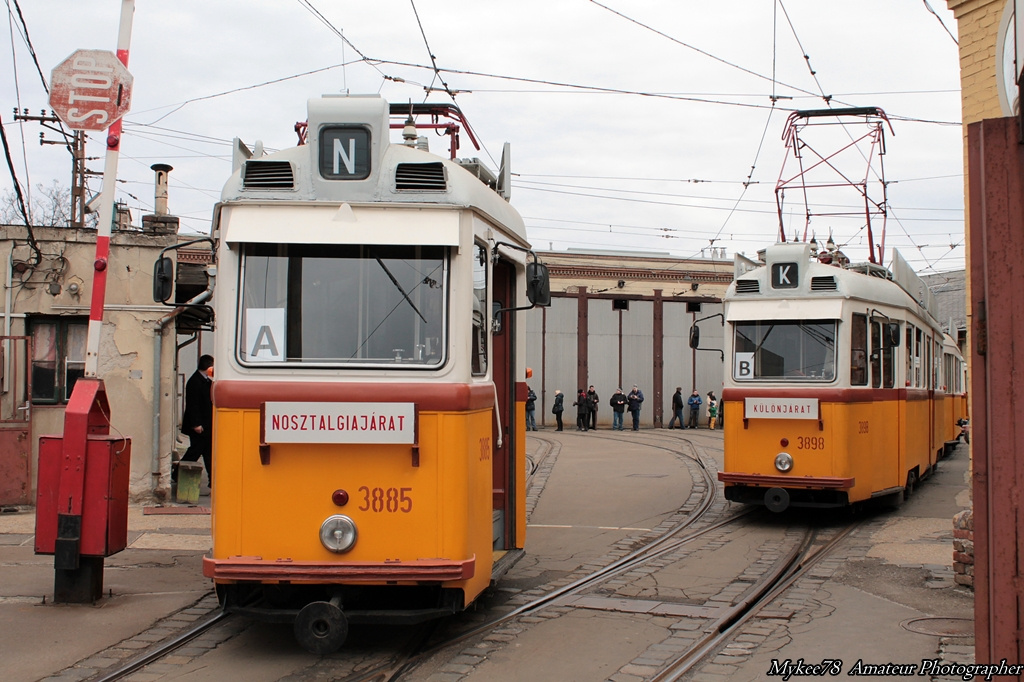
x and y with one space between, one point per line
90 90
780 408
371 423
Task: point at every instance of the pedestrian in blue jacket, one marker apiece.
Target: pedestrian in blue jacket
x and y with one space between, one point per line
694 402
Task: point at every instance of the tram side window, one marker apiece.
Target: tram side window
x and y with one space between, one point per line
918 336
479 350
876 354
888 365
910 354
859 351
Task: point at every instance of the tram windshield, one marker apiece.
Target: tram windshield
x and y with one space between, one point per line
342 304
790 350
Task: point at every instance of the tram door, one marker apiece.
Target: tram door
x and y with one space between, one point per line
503 366
15 420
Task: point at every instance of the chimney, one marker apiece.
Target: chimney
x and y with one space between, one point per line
160 222
162 169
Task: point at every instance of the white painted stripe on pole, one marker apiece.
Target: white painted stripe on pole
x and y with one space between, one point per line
92 348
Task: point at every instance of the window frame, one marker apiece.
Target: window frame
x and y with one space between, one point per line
58 391
249 251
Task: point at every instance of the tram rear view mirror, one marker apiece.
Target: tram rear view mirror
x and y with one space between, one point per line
892 335
163 279
538 284
694 336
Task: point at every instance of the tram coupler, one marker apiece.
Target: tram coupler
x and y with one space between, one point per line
82 496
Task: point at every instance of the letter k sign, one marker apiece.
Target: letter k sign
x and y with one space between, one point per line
785 276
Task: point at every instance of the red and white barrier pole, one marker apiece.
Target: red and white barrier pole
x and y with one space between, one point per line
78 578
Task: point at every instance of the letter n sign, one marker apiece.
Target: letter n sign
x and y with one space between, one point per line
785 276
344 153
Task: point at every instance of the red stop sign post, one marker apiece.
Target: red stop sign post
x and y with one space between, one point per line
90 90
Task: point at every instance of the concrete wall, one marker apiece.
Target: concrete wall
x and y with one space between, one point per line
127 346
621 352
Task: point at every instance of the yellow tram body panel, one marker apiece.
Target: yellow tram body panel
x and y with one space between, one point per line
438 507
848 449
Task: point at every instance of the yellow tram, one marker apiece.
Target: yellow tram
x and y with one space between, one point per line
840 384
369 441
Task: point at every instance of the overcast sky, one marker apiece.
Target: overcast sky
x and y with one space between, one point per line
645 125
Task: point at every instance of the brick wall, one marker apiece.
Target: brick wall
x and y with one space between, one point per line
963 548
977 27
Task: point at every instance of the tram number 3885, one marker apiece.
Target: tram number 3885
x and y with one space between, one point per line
386 499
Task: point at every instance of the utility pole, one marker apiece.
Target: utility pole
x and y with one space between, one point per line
77 148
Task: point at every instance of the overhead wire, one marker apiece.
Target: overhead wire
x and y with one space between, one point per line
430 53
941 22
697 49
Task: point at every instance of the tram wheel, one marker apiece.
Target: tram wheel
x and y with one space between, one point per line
776 499
908 489
321 627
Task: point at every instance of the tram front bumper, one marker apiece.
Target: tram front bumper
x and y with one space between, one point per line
417 571
765 481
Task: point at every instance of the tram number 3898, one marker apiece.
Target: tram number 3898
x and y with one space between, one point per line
386 499
810 443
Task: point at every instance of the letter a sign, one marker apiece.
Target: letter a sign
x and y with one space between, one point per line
785 275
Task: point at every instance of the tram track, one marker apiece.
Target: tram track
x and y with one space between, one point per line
416 647
669 541
801 558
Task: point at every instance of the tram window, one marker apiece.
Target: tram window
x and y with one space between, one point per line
791 350
918 335
876 355
910 354
343 304
859 351
888 363
478 361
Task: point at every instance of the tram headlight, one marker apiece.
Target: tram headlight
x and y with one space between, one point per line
783 462
338 533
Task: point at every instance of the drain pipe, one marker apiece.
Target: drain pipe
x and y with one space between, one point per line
157 385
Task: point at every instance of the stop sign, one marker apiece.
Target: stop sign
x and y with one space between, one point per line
90 90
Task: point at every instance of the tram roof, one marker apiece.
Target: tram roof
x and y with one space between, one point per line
789 273
351 134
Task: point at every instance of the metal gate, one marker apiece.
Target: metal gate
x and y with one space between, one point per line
15 420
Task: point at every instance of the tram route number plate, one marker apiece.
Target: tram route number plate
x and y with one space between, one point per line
780 408
370 423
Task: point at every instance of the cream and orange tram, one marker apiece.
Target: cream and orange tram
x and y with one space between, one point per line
369 440
840 383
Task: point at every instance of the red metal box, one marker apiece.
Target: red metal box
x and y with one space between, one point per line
105 501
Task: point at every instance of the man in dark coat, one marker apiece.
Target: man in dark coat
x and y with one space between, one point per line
677 409
634 399
618 403
582 411
594 401
197 421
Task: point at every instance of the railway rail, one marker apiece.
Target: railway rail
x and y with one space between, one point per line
701 524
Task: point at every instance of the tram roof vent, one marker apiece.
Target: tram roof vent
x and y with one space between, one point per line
748 286
268 175
823 283
421 177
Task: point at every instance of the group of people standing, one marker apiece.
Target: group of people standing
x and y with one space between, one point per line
693 402
587 403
